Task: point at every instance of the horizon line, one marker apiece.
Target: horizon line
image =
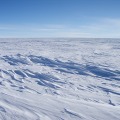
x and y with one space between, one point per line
59 37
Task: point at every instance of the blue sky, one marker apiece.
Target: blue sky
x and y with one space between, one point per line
60 18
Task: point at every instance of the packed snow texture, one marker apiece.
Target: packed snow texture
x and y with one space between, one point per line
60 79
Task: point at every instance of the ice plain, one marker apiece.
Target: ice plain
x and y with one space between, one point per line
59 79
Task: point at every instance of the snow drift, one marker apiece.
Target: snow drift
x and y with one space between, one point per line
59 79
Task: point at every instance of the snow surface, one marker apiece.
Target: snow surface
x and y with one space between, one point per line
60 79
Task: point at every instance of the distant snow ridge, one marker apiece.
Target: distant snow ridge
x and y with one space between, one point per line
59 79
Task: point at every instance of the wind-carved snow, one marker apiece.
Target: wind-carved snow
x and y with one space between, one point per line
59 79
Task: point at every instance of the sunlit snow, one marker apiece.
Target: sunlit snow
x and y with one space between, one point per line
59 79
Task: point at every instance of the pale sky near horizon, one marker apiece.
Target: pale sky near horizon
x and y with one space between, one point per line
60 18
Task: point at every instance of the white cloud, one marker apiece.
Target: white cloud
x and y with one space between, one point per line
100 27
105 27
